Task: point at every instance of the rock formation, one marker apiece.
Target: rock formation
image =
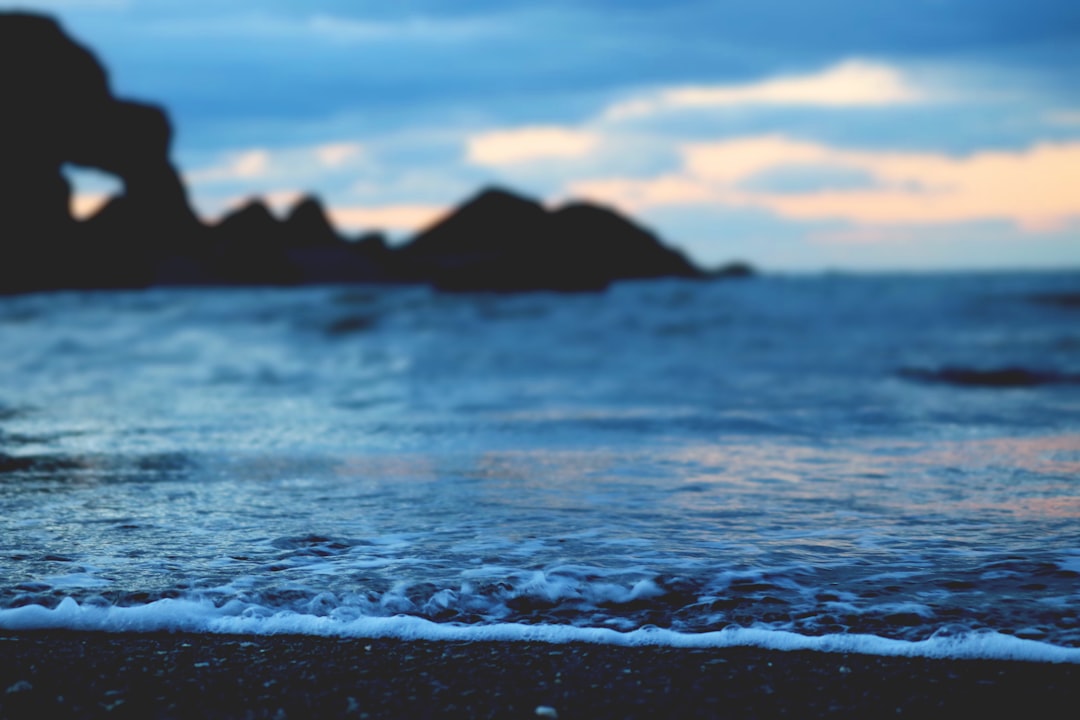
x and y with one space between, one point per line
307 226
248 248
58 110
499 241
252 247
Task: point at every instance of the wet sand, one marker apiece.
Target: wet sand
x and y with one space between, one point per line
59 674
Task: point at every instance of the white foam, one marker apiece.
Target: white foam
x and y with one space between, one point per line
238 618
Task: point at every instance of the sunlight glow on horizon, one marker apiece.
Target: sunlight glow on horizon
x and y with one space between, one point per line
1035 189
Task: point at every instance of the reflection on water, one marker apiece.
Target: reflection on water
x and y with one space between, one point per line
889 538
1005 474
748 497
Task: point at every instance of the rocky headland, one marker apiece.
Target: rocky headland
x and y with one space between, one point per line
59 110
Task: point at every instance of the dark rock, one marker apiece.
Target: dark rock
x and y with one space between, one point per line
319 254
252 247
251 220
342 264
733 270
613 246
482 227
371 243
249 248
498 242
501 242
1009 377
58 109
307 226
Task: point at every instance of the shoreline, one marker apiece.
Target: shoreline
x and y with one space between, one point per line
81 674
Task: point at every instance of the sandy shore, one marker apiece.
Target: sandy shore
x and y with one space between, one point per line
67 674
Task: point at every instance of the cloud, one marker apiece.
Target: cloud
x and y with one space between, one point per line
605 138
529 144
734 160
242 165
337 154
851 83
291 164
1034 189
710 172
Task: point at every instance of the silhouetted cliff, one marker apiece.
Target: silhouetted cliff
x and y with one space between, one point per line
499 241
58 109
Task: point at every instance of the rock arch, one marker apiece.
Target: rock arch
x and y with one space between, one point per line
59 109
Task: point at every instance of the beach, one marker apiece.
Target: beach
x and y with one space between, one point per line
172 675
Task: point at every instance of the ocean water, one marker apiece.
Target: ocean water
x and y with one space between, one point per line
782 461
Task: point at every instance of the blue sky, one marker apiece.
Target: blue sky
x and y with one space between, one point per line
835 134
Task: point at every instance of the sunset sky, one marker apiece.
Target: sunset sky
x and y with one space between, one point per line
833 134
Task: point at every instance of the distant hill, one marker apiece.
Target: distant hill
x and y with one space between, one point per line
499 241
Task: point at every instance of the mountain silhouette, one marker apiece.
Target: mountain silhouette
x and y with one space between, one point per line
499 241
59 110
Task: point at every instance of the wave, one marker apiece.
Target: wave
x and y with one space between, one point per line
236 619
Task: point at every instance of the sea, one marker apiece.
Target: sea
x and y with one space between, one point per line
875 463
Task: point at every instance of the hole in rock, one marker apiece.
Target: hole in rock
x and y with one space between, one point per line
90 189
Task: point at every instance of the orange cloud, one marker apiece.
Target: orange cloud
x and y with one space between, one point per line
1038 190
732 161
528 144
1035 189
634 194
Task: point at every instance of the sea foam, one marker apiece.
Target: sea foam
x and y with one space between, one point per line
196 616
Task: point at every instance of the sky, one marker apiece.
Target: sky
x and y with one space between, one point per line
798 136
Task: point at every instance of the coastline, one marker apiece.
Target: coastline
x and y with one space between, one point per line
76 674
